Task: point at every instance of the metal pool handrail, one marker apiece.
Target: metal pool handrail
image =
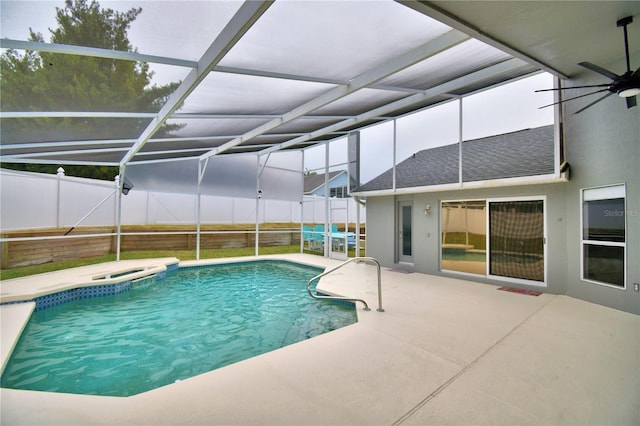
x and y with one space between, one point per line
353 259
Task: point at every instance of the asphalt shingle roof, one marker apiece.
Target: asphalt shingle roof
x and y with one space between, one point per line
523 153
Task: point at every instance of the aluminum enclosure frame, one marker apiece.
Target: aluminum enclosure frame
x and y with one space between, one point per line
382 85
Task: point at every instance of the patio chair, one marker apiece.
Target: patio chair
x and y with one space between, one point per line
318 236
307 235
351 239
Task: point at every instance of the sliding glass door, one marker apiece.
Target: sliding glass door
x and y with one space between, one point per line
499 238
517 239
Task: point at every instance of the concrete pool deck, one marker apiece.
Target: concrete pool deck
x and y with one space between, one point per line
445 351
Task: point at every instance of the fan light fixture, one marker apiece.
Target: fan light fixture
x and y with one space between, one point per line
627 93
625 85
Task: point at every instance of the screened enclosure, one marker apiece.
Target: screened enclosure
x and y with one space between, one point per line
231 98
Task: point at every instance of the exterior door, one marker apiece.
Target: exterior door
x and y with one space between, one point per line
404 235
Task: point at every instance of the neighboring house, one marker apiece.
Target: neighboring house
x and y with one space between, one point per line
338 184
513 216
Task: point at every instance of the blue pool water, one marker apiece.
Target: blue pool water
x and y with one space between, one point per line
162 331
462 255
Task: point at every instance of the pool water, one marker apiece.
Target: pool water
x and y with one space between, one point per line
466 256
163 331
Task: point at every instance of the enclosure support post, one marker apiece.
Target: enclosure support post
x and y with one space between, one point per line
198 224
460 136
258 196
119 215
357 228
60 174
393 174
302 206
466 223
200 173
327 208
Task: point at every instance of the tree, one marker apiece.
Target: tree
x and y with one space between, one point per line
43 81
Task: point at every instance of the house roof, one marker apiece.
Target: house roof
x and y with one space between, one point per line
313 182
523 153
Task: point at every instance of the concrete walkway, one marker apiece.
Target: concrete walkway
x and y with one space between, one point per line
445 351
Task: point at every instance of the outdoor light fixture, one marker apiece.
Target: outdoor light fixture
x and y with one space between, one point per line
427 209
127 185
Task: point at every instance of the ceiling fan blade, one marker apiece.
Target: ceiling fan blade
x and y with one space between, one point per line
574 87
599 70
593 103
631 101
576 97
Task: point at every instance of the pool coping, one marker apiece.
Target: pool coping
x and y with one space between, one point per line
34 286
14 319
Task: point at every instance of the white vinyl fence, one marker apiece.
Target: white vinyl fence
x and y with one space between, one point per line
38 201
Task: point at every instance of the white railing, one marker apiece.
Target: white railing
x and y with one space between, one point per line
349 299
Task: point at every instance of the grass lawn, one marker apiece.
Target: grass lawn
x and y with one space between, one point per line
6 274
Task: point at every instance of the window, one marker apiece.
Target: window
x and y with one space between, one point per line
604 236
339 192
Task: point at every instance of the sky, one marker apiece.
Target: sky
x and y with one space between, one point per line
507 108
17 16
504 109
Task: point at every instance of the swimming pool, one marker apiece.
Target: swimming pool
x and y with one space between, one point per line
161 331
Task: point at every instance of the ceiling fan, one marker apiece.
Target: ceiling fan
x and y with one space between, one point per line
626 85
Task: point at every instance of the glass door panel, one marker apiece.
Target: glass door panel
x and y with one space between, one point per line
405 213
464 236
516 239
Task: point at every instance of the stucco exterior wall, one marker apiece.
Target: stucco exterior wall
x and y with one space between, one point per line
381 236
602 147
427 228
